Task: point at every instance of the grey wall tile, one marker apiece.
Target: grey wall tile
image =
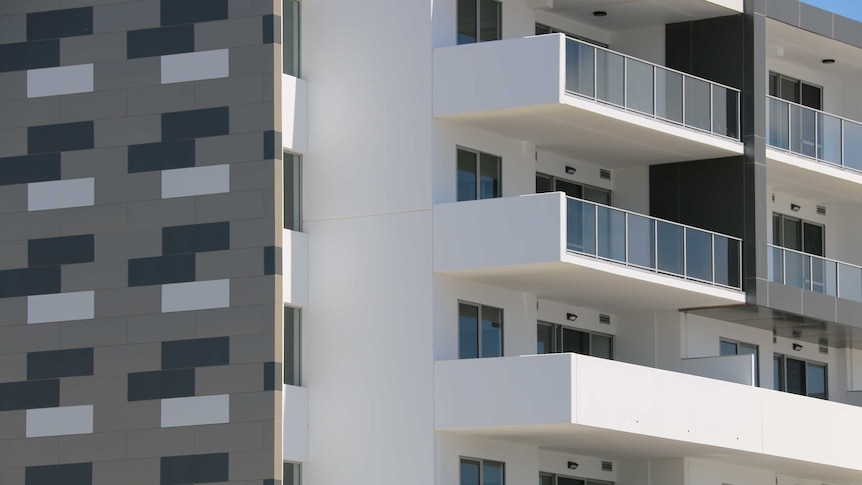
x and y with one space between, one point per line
175 12
67 474
130 187
93 48
128 244
29 394
93 163
30 112
127 131
196 238
229 264
177 470
229 91
120 17
93 106
59 23
60 363
128 301
125 74
29 55
150 443
104 331
228 33
229 379
161 327
60 250
229 149
230 206
94 219
92 447
29 168
161 98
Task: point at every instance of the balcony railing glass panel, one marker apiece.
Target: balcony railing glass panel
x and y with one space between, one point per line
650 89
814 273
815 134
653 244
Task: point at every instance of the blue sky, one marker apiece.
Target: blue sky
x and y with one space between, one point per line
847 8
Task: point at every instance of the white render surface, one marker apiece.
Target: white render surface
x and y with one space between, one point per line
195 66
196 295
54 81
294 268
187 182
59 421
295 426
195 411
60 194
59 307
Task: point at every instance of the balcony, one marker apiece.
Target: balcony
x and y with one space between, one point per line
591 406
577 252
576 99
815 273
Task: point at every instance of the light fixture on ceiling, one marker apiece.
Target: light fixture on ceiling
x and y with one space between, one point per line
571 317
797 347
573 465
570 170
795 207
600 13
828 61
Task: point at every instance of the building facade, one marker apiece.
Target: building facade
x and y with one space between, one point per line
617 247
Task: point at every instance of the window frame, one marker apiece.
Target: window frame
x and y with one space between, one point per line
478 24
782 359
557 339
292 221
553 181
478 173
479 346
481 462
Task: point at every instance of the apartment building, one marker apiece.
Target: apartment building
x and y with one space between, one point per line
472 242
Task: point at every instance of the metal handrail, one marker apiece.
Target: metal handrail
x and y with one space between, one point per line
655 257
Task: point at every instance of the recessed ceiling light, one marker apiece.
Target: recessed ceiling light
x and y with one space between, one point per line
828 61
600 13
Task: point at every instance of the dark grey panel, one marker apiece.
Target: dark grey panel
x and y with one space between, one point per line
272 260
161 156
29 281
60 23
178 470
68 474
161 384
175 12
30 168
60 250
161 270
196 353
29 55
196 238
60 138
60 363
29 395
815 19
197 123
160 41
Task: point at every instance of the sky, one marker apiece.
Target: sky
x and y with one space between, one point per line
847 8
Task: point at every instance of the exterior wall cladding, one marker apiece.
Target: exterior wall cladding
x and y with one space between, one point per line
138 322
238 250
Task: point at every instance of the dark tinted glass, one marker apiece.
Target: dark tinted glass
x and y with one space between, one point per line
469 472
467 162
492 332
467 21
489 16
795 376
468 331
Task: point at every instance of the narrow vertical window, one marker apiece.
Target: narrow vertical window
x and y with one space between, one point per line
479 175
292 318
290 39
479 21
292 191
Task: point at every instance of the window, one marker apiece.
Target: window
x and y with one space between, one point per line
290 37
792 233
482 472
548 183
291 474
480 331
799 376
732 347
292 318
479 175
551 479
795 91
292 194
553 339
479 21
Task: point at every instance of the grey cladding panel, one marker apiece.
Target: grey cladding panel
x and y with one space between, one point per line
196 353
68 474
29 395
196 238
195 123
175 12
177 470
59 138
29 55
161 384
60 363
161 270
160 41
60 23
60 250
30 168
29 281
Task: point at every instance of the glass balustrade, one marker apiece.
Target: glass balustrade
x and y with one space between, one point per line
815 134
814 273
648 243
651 90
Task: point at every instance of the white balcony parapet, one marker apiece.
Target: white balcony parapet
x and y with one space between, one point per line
580 404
